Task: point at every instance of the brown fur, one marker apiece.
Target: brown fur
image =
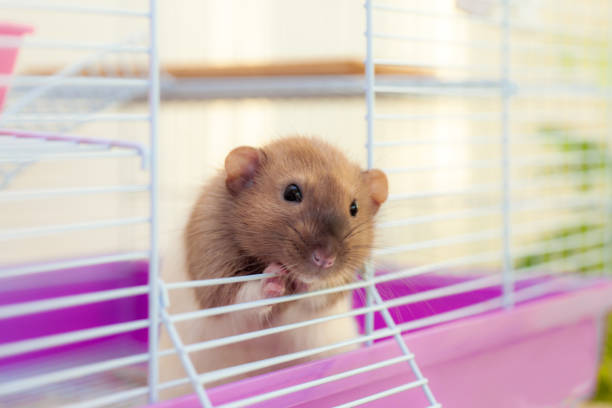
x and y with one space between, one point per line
241 223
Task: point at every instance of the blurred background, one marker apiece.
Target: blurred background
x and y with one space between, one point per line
238 72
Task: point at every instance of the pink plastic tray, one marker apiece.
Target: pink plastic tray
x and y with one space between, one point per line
8 55
542 353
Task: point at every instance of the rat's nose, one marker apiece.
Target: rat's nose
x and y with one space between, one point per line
323 259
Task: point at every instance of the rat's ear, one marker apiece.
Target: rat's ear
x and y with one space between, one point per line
241 164
378 186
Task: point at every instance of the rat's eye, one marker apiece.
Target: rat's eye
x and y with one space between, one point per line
293 193
354 208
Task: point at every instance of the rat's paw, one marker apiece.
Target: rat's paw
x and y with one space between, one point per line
265 288
274 286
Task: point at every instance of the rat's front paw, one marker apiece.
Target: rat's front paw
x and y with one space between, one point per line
264 288
274 286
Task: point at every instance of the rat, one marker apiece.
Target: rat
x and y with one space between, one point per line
297 208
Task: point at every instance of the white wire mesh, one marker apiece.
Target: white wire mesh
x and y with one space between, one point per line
517 195
65 132
528 207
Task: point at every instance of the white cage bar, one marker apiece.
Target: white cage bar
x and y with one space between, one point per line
578 194
23 145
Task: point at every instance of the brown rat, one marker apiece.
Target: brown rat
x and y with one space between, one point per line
296 207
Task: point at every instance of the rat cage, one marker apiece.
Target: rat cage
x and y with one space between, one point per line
73 299
490 287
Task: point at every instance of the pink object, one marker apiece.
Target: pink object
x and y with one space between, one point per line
67 282
542 353
62 137
8 54
323 259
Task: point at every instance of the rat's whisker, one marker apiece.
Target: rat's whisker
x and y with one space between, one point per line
296 231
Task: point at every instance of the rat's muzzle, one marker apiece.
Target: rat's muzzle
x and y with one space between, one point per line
323 258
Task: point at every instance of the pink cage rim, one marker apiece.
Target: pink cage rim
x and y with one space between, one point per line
14 29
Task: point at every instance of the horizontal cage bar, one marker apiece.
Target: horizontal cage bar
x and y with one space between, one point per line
69 8
25 308
41 343
114 398
82 81
314 383
22 233
63 192
11 271
391 391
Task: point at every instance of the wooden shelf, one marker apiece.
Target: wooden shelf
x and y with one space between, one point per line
327 67
294 68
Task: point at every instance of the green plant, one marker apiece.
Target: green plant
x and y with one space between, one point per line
593 159
604 379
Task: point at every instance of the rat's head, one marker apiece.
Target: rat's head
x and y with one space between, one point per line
301 203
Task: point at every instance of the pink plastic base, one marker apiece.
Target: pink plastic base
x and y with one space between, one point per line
541 354
8 55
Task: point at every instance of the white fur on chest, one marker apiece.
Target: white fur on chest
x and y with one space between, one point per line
215 327
285 342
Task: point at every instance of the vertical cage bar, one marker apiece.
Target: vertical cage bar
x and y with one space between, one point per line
369 72
372 294
400 341
607 248
153 378
187 364
369 90
508 272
